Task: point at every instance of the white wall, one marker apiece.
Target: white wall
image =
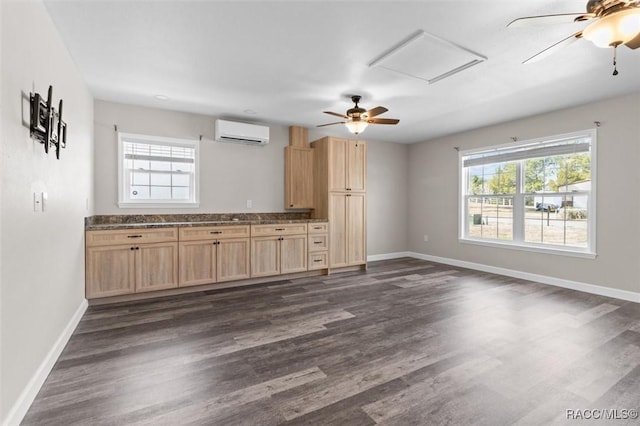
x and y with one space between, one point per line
230 174
42 254
433 195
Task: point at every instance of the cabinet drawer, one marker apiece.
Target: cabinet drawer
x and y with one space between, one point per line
319 242
318 228
318 260
284 229
128 236
214 232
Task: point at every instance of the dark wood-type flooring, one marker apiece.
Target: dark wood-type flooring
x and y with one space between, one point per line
406 342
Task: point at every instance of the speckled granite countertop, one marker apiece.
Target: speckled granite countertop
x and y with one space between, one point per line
107 222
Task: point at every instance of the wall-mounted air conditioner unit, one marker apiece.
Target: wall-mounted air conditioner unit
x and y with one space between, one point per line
245 133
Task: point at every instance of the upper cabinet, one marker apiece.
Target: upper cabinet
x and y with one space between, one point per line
298 170
298 177
347 165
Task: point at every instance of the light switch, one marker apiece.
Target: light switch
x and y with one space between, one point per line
249 204
44 197
37 202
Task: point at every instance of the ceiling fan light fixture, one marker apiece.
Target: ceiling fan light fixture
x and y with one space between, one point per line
356 127
614 29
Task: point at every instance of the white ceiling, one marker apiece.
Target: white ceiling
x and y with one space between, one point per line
290 60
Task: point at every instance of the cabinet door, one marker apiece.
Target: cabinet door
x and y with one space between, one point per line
356 229
233 259
110 271
265 256
293 254
356 168
338 164
197 263
337 230
298 177
156 266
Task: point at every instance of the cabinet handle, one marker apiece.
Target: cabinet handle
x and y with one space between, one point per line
317 227
134 236
279 229
348 195
215 232
132 248
348 189
317 260
137 248
317 242
290 205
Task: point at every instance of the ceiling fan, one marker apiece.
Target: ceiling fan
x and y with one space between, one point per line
357 119
613 23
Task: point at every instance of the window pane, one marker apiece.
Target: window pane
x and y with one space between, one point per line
160 165
139 193
139 178
181 180
500 178
491 217
141 164
180 193
161 179
160 192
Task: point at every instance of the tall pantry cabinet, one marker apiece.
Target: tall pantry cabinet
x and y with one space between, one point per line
340 167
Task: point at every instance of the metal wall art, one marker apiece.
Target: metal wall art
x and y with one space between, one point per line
46 124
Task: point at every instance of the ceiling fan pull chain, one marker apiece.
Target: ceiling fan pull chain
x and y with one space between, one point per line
615 70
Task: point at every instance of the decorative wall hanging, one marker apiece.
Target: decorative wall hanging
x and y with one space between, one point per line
46 124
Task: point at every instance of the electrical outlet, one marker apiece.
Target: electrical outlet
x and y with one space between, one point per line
249 204
426 238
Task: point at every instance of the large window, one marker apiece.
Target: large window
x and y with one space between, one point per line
157 172
537 194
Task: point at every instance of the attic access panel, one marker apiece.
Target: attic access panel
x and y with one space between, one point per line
427 57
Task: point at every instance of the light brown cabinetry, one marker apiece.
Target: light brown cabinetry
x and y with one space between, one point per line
318 245
130 261
347 165
278 249
340 196
298 177
213 254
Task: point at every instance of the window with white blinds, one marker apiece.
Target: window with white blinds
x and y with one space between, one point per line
537 194
157 172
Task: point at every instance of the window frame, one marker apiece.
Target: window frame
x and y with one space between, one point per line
125 202
520 195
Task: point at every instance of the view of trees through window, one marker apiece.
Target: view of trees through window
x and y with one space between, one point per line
538 200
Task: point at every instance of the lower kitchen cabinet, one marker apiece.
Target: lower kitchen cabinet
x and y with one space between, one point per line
149 262
214 254
278 249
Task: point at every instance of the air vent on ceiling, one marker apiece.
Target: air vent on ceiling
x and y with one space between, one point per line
427 57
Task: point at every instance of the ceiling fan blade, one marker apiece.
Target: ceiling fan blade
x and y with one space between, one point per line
634 43
336 114
383 120
554 48
376 111
560 18
331 124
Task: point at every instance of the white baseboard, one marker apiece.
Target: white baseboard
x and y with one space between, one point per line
544 279
20 408
388 256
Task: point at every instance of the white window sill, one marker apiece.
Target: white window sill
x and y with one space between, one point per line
130 205
585 254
